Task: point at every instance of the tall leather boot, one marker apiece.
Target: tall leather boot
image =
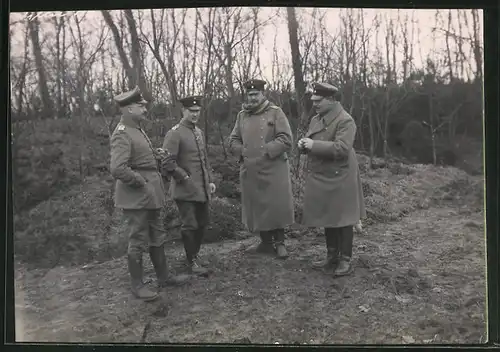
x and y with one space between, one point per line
137 285
332 237
188 238
198 238
159 260
279 242
266 243
346 239
199 234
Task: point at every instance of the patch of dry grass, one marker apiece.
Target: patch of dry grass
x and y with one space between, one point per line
397 190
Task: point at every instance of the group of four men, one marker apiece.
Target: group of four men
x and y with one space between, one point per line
261 139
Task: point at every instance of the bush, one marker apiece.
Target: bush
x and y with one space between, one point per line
225 220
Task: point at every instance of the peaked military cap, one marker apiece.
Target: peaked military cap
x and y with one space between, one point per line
254 84
133 96
321 90
191 101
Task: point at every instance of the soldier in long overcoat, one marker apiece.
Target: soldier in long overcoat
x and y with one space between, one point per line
333 194
192 186
139 192
261 139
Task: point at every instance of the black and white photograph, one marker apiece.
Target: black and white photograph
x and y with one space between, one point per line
249 175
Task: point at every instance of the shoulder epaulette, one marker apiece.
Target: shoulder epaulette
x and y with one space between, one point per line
175 127
120 127
272 106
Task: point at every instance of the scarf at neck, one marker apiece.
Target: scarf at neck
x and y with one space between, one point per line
258 109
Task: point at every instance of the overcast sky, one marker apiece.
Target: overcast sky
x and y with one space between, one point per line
424 20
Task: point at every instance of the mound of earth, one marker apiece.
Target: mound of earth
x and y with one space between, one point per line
81 225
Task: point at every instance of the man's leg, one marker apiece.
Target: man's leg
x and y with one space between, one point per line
137 221
279 241
332 237
266 245
346 239
202 219
187 212
157 237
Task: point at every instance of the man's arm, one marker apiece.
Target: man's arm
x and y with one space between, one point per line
341 145
283 139
169 162
121 147
235 139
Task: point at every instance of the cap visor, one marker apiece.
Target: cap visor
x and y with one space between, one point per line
316 97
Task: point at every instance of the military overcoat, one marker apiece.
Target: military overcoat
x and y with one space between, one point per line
133 164
186 155
261 140
333 194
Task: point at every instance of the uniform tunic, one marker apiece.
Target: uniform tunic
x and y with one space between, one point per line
261 140
133 164
333 194
187 155
139 187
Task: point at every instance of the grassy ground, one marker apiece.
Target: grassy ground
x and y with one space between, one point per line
405 289
419 278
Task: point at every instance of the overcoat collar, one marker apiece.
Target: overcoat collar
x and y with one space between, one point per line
322 122
188 124
129 121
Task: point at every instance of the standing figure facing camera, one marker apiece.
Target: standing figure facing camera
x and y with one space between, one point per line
261 139
333 194
139 192
187 163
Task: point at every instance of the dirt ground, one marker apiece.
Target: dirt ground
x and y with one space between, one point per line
417 280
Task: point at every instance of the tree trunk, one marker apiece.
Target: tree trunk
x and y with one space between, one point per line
47 106
477 46
136 56
300 88
131 76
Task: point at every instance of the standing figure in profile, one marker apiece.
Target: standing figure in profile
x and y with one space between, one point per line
333 194
139 192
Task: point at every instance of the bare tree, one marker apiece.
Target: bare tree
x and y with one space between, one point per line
20 80
132 79
34 30
136 55
165 47
476 45
300 87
